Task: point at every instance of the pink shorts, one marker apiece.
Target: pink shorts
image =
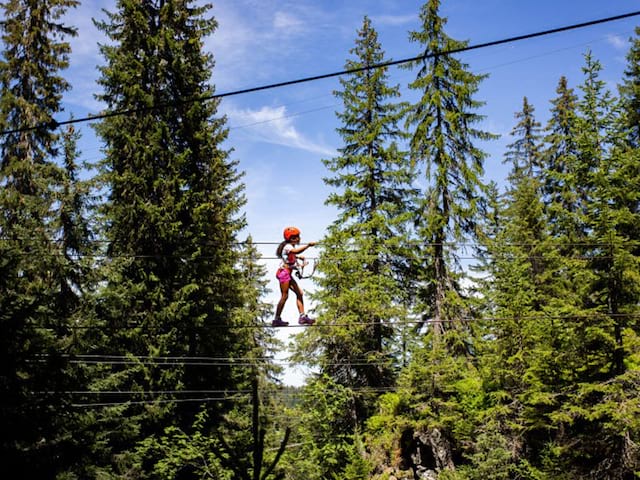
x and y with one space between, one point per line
284 275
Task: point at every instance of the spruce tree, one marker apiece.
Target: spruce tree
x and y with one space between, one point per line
361 264
443 143
559 158
74 217
579 367
246 446
603 337
440 384
524 152
77 279
523 226
595 140
523 279
171 219
33 316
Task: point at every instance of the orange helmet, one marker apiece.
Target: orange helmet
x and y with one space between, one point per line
291 232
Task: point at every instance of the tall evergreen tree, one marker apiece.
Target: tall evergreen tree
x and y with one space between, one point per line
523 227
33 315
246 446
440 384
629 122
595 140
171 220
523 279
583 361
363 262
443 143
77 278
559 158
251 443
524 152
605 332
74 232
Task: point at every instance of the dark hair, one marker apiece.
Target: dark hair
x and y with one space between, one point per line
280 248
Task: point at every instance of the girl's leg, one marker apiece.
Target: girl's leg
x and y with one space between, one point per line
304 318
299 300
284 295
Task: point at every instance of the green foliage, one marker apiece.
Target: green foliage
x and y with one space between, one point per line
358 466
630 92
535 377
557 350
443 143
170 287
324 433
361 264
178 453
36 307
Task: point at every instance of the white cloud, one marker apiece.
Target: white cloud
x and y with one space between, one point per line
252 41
617 42
283 21
393 20
273 125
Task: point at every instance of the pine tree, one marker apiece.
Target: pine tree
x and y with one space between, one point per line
33 318
523 280
559 158
605 334
564 188
523 230
524 152
440 386
580 361
361 263
250 435
442 142
324 430
171 220
596 147
73 224
242 448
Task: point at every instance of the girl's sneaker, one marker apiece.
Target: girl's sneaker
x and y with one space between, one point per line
278 322
305 320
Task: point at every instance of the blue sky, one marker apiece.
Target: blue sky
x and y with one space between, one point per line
279 136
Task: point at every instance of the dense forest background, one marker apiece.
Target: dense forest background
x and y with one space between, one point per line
136 341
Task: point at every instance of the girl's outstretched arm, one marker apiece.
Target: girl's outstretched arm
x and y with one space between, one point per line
302 248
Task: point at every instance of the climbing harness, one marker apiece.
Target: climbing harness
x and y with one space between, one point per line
300 268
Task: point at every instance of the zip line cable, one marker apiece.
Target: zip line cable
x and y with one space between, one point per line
221 395
304 112
173 363
216 361
187 259
230 395
154 401
225 398
227 393
219 364
487 251
396 324
55 124
459 244
276 393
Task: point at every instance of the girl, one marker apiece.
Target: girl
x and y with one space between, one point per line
288 251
